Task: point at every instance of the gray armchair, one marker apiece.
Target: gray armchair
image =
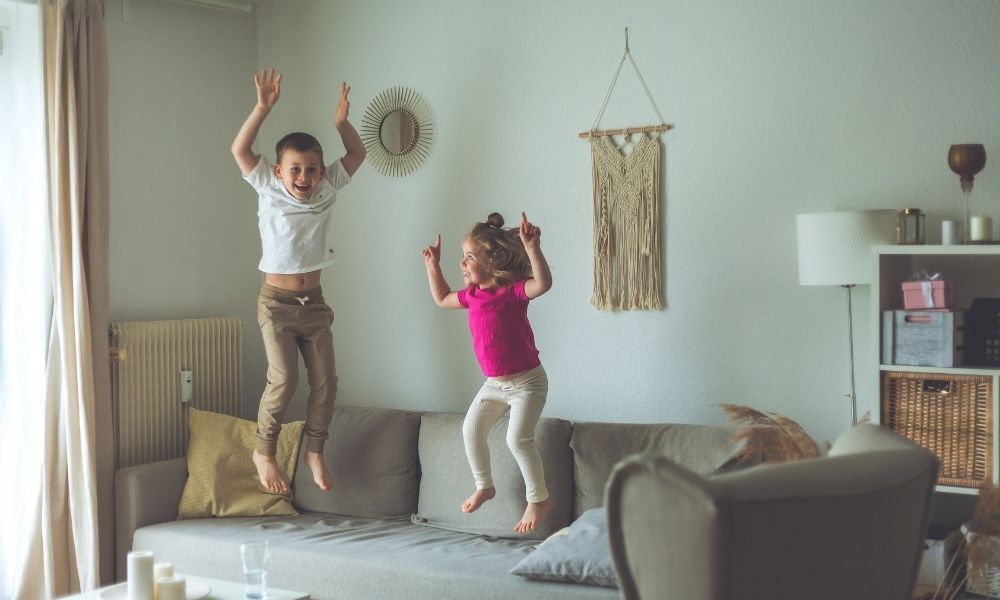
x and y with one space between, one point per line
847 525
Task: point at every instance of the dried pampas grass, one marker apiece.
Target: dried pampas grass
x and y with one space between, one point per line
770 437
986 516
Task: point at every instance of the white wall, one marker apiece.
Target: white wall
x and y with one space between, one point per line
184 238
780 108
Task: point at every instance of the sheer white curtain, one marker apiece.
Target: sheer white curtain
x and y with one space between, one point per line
77 520
54 378
25 287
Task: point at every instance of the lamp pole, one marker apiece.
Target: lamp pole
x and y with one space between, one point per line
850 343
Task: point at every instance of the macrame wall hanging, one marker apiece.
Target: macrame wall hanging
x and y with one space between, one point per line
628 272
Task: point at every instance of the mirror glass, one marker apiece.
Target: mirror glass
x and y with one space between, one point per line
398 131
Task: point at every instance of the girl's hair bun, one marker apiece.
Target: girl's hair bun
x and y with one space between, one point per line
503 249
495 220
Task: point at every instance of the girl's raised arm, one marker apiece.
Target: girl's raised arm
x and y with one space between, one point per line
541 280
442 294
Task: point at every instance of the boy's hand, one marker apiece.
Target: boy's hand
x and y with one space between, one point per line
343 106
531 236
432 254
268 88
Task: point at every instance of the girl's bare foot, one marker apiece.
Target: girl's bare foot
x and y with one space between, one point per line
316 464
535 512
477 498
270 474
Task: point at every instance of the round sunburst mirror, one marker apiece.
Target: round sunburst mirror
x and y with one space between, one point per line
397 131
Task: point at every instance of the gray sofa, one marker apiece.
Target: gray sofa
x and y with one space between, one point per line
391 527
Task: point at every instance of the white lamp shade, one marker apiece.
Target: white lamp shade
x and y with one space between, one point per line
835 247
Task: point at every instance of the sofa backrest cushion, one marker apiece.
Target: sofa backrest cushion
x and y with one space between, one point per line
372 456
447 480
597 447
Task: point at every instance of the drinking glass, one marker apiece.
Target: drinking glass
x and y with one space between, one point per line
255 557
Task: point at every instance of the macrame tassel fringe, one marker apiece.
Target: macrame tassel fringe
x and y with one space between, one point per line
627 257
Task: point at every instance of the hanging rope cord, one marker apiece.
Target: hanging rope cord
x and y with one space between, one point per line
627 262
614 80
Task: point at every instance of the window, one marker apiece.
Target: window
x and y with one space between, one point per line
25 281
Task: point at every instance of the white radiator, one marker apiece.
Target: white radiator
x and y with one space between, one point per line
148 359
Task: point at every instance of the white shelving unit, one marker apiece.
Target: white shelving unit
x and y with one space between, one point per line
974 271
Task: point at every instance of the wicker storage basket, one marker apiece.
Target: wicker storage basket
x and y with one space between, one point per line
950 415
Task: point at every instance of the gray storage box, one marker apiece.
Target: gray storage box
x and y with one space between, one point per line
922 338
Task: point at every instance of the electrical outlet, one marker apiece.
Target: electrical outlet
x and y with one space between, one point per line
187 387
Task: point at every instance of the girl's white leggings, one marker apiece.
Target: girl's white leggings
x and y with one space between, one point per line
524 396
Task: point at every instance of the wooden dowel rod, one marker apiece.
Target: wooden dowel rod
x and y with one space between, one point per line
625 131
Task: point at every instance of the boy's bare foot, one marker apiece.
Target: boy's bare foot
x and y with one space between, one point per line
270 474
316 464
535 512
477 498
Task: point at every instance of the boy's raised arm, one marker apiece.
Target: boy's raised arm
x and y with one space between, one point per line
268 89
349 136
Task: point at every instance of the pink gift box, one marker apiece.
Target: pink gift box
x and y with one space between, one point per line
927 294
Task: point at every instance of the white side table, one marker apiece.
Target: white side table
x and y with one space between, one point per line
220 590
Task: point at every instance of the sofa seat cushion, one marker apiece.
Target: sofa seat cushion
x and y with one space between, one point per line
597 447
333 557
372 456
447 479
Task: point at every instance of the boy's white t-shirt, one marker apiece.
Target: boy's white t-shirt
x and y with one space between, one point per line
295 235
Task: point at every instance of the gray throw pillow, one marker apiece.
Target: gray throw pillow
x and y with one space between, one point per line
372 456
446 479
579 554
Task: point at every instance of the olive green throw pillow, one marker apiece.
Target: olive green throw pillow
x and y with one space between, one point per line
222 479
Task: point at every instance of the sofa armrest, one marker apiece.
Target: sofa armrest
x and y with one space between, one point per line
145 495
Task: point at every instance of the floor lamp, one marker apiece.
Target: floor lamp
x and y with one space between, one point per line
834 248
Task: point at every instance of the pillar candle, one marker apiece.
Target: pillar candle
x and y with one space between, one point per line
171 588
140 576
981 229
161 570
949 233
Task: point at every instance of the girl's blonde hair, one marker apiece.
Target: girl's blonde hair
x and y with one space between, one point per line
503 249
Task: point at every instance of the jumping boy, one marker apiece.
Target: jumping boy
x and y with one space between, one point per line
295 203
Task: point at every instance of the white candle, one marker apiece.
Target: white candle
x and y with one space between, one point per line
949 232
140 576
161 570
981 229
171 588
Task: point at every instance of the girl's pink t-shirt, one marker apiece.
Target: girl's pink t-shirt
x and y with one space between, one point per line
501 335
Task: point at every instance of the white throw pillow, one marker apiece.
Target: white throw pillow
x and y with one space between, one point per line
578 553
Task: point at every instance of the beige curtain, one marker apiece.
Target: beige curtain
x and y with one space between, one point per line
72 544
